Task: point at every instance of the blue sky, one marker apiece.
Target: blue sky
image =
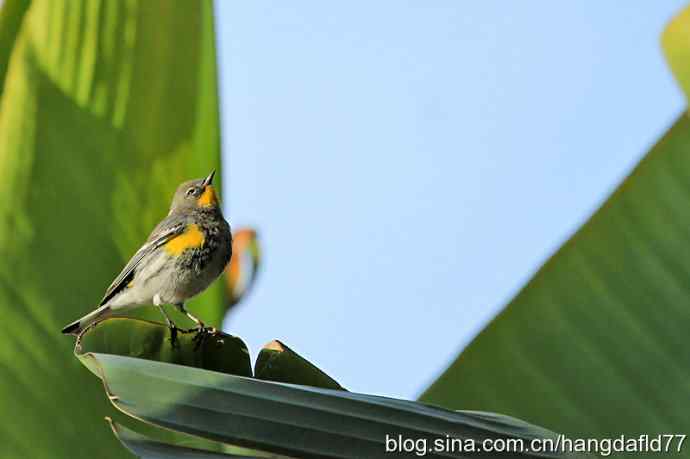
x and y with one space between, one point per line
409 165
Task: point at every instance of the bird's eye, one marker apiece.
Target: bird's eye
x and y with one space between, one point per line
191 191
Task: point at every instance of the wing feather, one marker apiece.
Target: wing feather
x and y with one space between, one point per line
156 240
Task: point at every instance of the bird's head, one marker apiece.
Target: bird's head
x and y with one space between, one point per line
195 194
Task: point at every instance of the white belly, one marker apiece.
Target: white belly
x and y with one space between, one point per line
151 278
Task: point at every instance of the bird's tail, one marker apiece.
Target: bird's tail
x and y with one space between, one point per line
78 325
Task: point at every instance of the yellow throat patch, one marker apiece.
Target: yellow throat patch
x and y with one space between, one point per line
192 238
208 197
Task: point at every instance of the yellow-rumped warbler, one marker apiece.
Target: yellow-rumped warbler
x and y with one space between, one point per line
185 253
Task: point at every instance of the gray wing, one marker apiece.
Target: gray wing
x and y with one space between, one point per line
157 238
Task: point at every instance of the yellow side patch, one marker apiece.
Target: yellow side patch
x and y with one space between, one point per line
208 197
190 239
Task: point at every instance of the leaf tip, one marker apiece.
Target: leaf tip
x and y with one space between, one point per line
275 345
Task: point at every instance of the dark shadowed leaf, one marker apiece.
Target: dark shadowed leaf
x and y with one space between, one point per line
277 362
151 340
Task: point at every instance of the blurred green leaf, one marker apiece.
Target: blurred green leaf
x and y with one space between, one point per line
287 419
11 18
675 42
277 362
151 341
595 345
105 107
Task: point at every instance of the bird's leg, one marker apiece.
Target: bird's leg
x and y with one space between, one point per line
199 324
201 330
171 325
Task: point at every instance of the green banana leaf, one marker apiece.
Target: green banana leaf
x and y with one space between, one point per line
215 351
596 344
105 107
277 362
11 18
298 421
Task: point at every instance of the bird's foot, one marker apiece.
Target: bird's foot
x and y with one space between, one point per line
202 333
185 331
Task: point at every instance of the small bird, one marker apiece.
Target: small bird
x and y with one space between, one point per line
185 252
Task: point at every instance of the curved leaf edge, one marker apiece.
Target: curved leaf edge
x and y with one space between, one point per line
146 447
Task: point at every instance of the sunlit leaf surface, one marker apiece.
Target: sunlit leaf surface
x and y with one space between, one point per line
104 107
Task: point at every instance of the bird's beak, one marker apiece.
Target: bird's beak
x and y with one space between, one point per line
208 180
